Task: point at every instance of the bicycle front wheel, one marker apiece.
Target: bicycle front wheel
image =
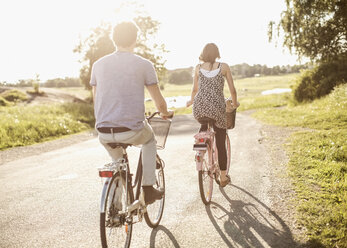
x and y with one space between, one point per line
114 230
206 177
155 210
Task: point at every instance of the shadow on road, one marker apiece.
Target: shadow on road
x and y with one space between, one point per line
166 232
183 125
249 223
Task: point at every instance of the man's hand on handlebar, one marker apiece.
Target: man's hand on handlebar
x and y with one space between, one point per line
168 115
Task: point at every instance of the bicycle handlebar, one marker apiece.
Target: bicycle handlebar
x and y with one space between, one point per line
154 114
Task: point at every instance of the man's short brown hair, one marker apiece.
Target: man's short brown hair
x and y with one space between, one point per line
125 34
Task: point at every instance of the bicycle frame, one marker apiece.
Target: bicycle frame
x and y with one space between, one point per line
122 166
201 147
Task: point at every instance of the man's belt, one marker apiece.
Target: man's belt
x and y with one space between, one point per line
113 129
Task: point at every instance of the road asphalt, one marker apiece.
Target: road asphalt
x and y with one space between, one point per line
52 198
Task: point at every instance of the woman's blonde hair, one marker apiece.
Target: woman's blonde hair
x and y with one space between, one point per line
210 53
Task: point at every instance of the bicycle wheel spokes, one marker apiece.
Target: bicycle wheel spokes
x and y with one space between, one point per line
114 230
206 179
155 211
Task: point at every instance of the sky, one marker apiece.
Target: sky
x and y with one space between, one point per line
38 36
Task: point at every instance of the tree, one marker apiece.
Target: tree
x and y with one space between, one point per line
99 44
316 29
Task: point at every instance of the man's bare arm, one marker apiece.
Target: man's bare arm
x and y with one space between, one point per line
158 99
93 92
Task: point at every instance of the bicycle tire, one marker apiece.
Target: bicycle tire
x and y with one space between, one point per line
119 232
206 178
155 211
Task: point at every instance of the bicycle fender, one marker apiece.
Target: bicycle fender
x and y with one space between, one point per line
198 159
103 194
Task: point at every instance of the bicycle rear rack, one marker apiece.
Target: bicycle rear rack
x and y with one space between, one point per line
200 147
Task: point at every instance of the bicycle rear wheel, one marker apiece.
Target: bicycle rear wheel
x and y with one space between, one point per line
155 210
114 230
206 177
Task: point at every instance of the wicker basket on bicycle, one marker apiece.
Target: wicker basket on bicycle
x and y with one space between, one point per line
230 114
161 129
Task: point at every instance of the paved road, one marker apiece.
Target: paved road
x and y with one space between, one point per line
52 199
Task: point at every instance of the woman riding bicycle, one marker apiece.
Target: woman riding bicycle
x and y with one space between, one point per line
208 99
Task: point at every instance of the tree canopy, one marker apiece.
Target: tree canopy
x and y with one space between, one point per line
99 44
316 29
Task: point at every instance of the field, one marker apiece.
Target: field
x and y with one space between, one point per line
248 90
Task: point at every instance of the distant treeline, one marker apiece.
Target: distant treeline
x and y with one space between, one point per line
184 76
56 82
178 76
245 70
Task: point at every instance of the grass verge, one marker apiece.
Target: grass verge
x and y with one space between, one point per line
32 124
318 164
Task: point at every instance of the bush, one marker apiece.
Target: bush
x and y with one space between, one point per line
14 95
3 102
321 80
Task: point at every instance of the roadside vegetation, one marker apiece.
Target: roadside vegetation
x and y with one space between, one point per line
27 125
22 124
318 164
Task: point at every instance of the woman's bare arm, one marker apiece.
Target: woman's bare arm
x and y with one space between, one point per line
195 86
227 74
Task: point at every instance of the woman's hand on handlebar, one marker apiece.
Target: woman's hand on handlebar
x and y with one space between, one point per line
235 106
189 103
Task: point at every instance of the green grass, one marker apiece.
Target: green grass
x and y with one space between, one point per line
318 164
249 91
327 113
260 102
25 125
252 87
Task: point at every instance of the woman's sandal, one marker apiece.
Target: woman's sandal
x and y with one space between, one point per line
226 182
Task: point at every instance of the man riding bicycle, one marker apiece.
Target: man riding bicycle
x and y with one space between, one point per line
118 82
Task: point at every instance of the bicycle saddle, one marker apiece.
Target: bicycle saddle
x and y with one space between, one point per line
205 120
115 145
